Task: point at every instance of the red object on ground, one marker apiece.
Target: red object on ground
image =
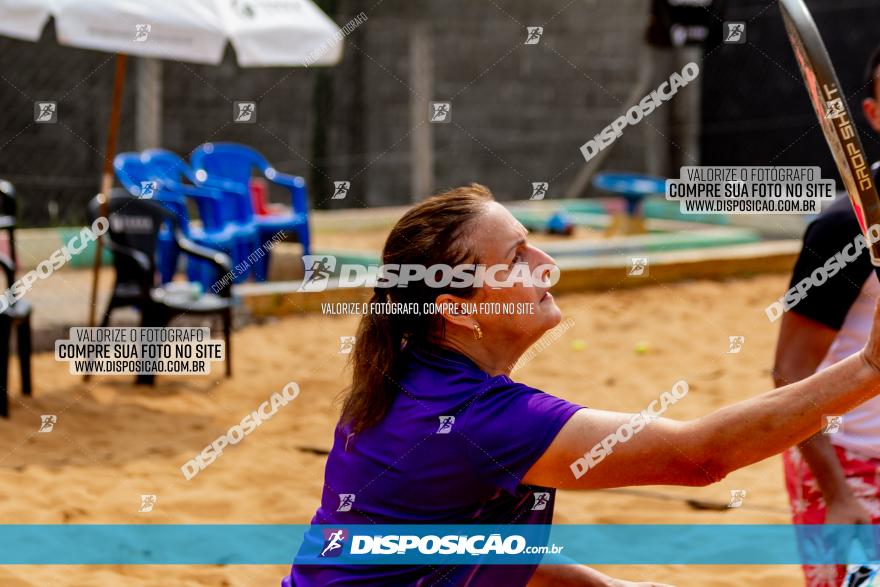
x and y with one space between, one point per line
260 197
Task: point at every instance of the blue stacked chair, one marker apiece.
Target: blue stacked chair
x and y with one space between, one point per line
216 204
228 167
141 181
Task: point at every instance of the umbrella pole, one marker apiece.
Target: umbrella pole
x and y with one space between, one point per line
107 173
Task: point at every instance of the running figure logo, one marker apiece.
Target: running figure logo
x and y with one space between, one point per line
318 269
244 9
148 189
833 424
341 189
737 497
446 423
834 109
46 112
441 112
346 344
533 34
638 267
735 344
47 422
333 541
142 33
245 112
147 502
539 190
542 498
346 500
735 32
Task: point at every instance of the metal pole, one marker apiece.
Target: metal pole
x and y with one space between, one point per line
421 75
148 103
107 174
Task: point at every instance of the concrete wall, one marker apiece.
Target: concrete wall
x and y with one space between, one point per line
520 112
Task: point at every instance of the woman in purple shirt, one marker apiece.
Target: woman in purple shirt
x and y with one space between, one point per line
434 431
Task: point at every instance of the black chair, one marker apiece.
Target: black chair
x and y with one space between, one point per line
133 238
14 315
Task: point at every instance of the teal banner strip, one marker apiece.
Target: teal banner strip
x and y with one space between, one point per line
259 544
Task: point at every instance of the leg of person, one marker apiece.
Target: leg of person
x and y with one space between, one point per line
808 507
863 478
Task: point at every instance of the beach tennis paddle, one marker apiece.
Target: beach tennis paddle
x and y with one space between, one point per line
834 115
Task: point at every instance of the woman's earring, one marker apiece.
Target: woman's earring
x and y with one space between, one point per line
478 333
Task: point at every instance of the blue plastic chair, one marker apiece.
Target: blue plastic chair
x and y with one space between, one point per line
217 164
137 178
215 204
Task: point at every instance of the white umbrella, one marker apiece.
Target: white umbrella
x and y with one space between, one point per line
262 32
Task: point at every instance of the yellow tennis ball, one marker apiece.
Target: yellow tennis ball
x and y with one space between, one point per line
578 344
641 348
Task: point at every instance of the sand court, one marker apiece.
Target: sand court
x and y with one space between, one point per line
114 442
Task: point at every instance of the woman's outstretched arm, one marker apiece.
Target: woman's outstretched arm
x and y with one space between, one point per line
704 451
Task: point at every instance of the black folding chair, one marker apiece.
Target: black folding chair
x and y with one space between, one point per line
14 315
133 237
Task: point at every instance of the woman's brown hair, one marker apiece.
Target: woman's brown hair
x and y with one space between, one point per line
432 232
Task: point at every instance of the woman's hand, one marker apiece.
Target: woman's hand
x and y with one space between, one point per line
846 510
